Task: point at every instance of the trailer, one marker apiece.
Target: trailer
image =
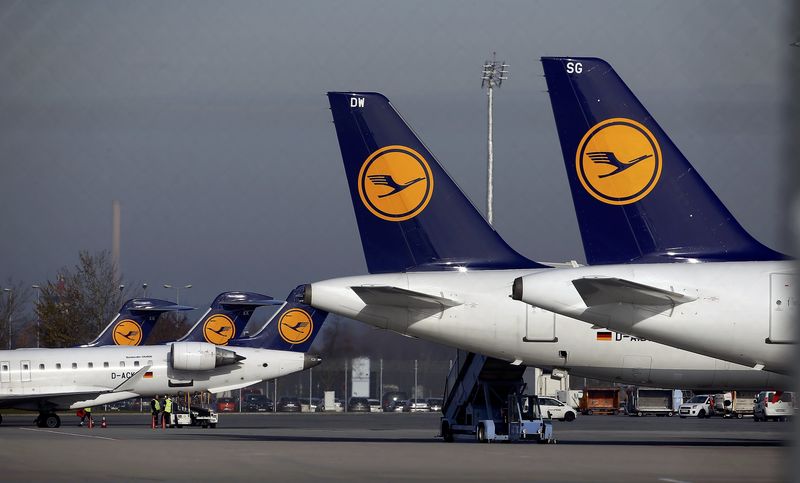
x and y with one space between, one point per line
599 400
644 401
737 404
194 416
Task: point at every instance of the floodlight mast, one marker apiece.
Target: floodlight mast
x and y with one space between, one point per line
494 73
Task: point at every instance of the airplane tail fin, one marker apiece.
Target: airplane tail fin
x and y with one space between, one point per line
293 327
637 198
134 322
411 215
227 317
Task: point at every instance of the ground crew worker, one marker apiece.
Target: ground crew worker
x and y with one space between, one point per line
155 409
88 414
168 411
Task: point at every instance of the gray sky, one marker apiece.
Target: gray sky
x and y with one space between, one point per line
208 121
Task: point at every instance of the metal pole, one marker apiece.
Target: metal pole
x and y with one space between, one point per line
344 403
415 381
381 379
489 173
310 382
275 401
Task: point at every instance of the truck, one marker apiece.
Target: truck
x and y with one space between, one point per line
489 418
643 401
600 400
194 416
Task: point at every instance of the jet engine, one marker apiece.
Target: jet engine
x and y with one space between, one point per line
201 356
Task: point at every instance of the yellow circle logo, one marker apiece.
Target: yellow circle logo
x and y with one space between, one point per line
295 326
395 183
618 161
219 329
127 332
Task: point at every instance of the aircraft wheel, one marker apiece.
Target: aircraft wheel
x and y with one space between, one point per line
52 421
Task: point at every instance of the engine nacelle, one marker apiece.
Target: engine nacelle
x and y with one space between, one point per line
201 356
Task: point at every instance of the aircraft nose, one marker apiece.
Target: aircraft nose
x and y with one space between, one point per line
516 290
311 360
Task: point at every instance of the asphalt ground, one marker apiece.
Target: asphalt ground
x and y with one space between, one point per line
391 447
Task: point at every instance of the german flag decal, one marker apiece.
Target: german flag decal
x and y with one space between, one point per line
148 375
604 335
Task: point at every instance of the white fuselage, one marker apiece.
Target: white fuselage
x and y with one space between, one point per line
742 311
39 379
489 322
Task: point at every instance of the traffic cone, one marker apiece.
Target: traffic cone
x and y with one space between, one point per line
91 423
153 422
103 423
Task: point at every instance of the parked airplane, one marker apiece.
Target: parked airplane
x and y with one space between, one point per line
134 322
47 380
668 261
439 272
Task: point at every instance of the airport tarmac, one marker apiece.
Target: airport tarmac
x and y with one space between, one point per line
391 447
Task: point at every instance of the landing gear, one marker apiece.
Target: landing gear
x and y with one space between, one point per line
48 420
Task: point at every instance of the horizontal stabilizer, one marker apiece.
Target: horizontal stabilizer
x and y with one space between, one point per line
605 291
398 297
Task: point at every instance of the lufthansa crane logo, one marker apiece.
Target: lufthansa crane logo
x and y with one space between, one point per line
618 161
395 183
127 332
219 329
295 326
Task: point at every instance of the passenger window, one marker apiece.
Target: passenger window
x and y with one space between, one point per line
135 363
5 367
105 364
58 365
41 367
24 367
121 363
90 365
74 365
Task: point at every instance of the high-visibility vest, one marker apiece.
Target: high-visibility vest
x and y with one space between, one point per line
157 405
88 410
168 405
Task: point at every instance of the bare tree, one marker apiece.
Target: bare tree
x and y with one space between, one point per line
13 298
170 326
81 301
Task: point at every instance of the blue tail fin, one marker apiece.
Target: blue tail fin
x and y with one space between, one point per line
410 214
293 327
135 320
227 317
636 196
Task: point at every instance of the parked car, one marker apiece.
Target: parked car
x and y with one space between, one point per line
699 406
435 404
337 406
289 405
416 406
390 399
775 405
374 406
398 406
556 409
257 403
358 405
226 405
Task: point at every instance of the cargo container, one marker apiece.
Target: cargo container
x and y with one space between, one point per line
643 401
599 400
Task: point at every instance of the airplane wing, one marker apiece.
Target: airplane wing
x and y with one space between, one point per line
605 291
399 297
128 383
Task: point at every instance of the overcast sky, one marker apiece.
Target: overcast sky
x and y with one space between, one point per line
208 121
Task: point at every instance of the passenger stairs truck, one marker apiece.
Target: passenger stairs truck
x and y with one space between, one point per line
643 401
484 400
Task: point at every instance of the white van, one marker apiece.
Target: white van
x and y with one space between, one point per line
777 405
